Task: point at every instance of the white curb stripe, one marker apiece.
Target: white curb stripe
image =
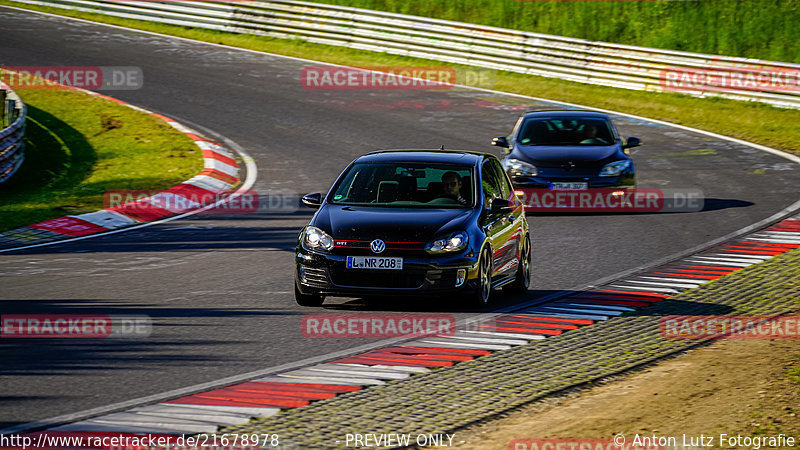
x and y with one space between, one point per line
410 369
565 315
147 420
565 309
774 241
721 259
253 411
216 148
366 373
452 343
179 412
664 284
596 306
181 127
485 339
280 379
221 166
713 263
322 379
500 333
208 183
646 288
107 219
742 256
90 425
697 281
788 240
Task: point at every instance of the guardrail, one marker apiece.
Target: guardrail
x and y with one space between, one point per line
12 132
622 66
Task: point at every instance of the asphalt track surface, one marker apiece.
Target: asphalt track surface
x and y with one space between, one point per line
218 286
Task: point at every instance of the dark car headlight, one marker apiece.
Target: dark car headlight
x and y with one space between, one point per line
315 238
615 168
518 168
452 243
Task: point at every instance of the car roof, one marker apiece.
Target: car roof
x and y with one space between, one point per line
435 156
566 113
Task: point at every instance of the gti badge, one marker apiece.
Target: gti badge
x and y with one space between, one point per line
377 246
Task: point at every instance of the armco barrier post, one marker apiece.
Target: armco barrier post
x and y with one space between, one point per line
12 133
3 113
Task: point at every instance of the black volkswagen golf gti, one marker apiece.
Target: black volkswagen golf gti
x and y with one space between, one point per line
572 150
415 222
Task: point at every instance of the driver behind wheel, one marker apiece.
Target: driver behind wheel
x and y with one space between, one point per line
451 183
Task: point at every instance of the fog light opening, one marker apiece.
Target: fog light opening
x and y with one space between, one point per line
461 276
303 274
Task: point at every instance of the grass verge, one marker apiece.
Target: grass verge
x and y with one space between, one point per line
78 146
751 121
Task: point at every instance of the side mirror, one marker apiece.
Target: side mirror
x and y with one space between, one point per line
632 142
500 205
312 200
500 141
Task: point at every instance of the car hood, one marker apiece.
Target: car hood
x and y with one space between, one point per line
389 224
544 156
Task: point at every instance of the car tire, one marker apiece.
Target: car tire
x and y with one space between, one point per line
307 299
522 281
483 291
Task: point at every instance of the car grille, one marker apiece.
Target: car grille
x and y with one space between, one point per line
378 278
361 248
394 279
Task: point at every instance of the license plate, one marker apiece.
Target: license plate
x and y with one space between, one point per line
374 262
569 186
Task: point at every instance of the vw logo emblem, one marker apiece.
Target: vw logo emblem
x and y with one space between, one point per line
377 246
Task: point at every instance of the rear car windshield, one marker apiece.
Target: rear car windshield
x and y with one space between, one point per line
406 185
566 131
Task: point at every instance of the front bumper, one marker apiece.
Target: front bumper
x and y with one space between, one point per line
624 181
326 274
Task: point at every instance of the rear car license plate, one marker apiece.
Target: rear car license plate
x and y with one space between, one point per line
374 262
569 186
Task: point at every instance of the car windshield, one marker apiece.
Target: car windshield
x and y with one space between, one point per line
566 131
406 185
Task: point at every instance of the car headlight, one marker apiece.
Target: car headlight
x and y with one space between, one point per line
518 168
615 168
452 243
313 237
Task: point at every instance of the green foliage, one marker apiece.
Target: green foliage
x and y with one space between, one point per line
765 29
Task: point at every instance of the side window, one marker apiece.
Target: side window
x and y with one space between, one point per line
614 132
517 126
489 184
502 180
494 182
